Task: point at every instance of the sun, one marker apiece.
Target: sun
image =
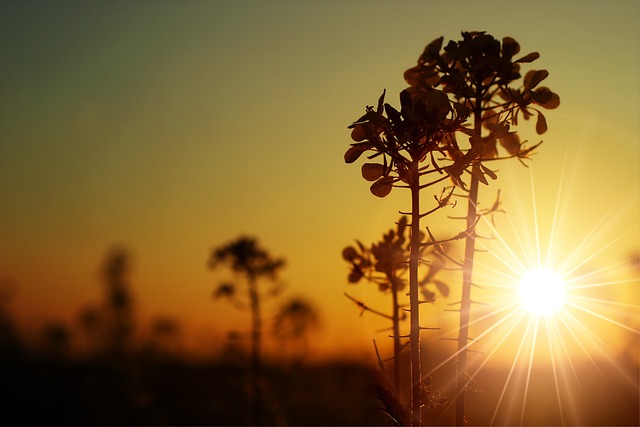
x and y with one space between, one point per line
541 292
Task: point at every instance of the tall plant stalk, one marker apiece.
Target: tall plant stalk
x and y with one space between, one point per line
478 72
414 301
256 341
404 140
467 282
246 257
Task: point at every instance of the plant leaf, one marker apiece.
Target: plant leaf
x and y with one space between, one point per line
476 172
546 99
510 46
381 101
427 294
349 253
541 124
533 77
489 172
354 152
529 58
372 171
382 187
511 143
358 133
443 288
355 276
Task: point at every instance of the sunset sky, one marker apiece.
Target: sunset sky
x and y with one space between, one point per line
171 127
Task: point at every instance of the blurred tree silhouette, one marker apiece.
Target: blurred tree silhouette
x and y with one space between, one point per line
245 257
92 326
11 347
164 339
57 340
294 322
119 309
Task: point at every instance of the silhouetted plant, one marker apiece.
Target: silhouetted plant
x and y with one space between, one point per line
478 72
164 338
294 322
57 340
475 72
402 141
119 301
245 257
92 326
385 264
11 346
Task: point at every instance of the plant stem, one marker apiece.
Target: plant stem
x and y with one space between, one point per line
256 333
396 338
414 304
467 273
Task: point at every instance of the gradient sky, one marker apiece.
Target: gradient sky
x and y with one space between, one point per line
171 127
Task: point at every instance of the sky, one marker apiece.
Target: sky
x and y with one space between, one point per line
171 128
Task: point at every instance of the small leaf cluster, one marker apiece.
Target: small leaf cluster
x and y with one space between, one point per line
245 256
479 72
398 139
295 318
385 262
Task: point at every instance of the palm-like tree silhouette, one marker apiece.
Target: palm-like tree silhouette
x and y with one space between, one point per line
119 300
293 323
245 257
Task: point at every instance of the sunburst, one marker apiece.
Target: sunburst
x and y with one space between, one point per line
548 305
557 320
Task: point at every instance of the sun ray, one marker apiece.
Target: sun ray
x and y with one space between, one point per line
504 337
513 365
567 359
553 368
589 237
600 316
517 234
600 284
487 331
607 354
595 273
535 218
578 341
566 351
593 254
495 348
526 385
556 209
495 271
604 301
504 243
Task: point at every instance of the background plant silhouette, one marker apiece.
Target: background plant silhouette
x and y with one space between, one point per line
294 322
119 307
245 257
479 72
385 264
